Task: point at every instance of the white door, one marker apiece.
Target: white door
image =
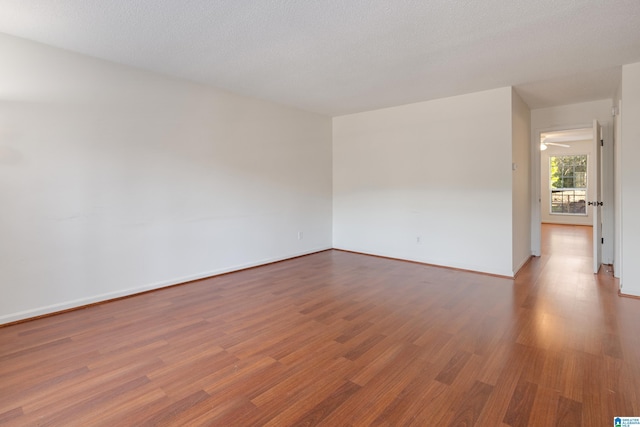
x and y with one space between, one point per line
596 205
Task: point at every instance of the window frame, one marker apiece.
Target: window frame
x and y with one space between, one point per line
566 189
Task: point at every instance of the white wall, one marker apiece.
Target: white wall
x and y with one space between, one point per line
617 136
437 170
521 191
115 180
572 117
576 148
630 179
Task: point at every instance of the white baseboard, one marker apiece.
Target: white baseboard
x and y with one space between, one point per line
434 263
49 309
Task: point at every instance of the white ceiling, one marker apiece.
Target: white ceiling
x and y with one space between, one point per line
336 57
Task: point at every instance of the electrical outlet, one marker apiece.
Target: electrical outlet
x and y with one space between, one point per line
299 235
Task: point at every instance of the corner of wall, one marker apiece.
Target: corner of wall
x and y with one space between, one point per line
521 181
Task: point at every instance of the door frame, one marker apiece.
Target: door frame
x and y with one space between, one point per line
597 210
536 189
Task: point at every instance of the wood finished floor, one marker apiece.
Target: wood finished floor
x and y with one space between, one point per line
338 339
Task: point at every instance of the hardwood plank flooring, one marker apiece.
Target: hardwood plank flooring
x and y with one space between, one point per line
338 339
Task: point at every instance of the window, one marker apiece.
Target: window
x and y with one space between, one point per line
568 182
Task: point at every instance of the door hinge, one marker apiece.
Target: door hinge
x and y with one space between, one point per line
602 240
602 142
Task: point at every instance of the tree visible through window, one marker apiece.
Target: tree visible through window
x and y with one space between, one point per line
568 179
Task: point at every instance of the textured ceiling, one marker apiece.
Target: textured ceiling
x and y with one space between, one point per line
336 57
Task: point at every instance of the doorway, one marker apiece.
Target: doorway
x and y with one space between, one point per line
567 182
566 186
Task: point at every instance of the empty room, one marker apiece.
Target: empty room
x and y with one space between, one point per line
277 213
